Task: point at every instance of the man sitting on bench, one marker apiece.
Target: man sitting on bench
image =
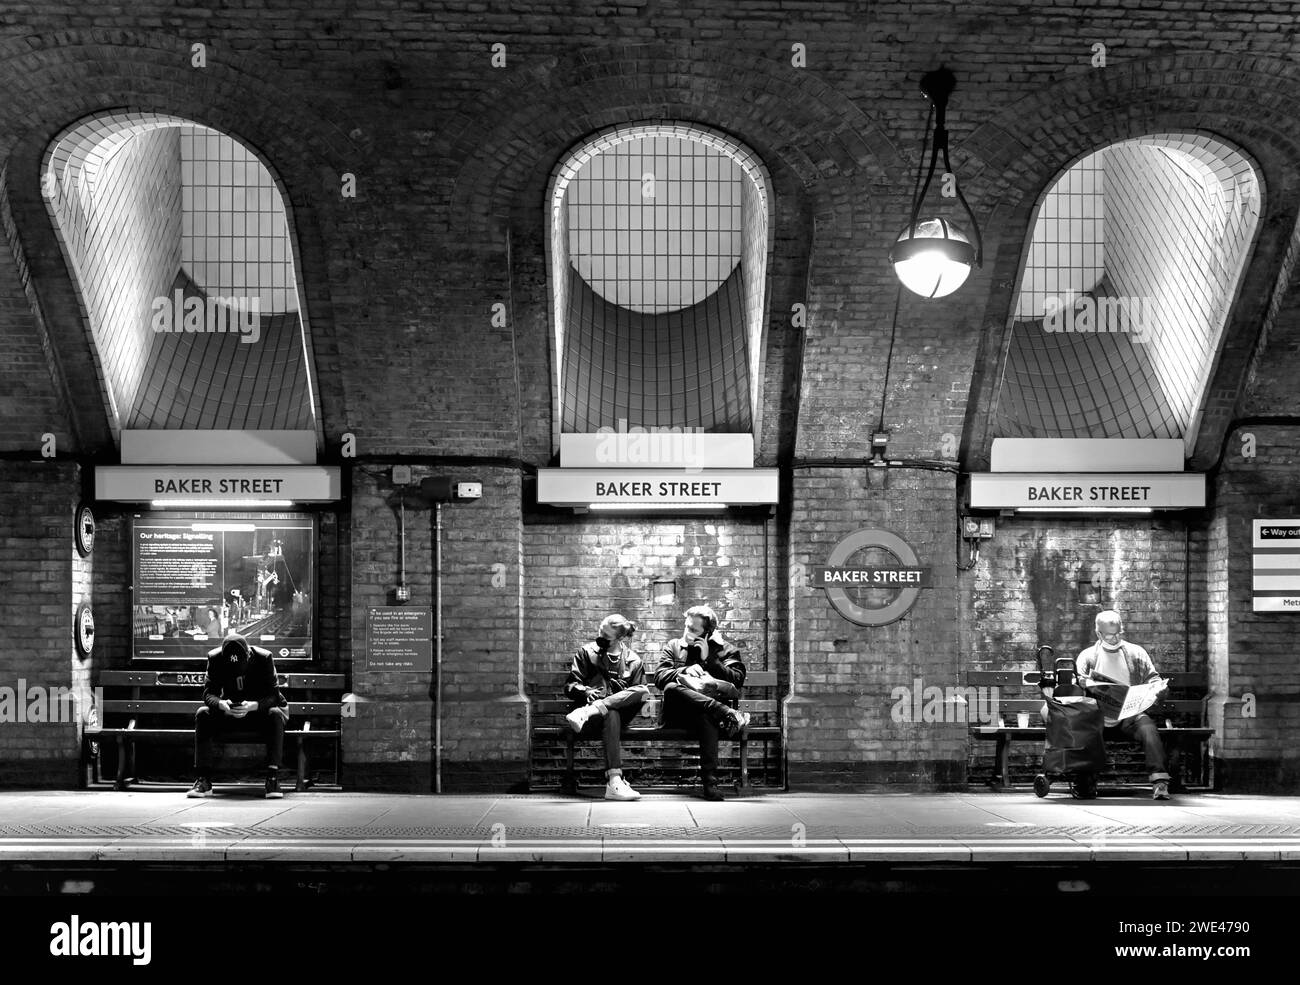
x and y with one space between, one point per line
240 694
607 685
1112 660
700 676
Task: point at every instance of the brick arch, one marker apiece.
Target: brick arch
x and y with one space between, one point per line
792 121
1243 102
823 154
53 81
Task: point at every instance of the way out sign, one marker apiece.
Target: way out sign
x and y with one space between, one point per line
905 574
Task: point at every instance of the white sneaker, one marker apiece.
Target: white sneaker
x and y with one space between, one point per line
578 718
618 789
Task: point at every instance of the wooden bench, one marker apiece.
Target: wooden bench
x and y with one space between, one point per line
764 710
159 706
1180 716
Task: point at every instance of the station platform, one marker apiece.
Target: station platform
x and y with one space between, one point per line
238 826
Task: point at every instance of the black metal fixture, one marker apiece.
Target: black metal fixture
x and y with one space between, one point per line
932 257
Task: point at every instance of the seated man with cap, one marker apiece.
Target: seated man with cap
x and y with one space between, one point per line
241 694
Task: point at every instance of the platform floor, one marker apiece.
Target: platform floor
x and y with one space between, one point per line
238 826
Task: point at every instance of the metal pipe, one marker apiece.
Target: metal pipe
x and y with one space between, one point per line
437 701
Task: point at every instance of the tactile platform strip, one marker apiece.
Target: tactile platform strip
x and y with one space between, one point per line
632 830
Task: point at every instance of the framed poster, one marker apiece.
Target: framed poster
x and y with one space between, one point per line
198 577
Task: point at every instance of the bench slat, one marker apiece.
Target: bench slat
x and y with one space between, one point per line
329 709
188 733
989 678
150 678
1012 705
667 734
1039 731
755 706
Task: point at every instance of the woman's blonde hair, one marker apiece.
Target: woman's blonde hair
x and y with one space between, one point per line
625 627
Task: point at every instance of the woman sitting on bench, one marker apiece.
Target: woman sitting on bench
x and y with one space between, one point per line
606 682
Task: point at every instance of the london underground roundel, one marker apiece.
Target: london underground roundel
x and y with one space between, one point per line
907 576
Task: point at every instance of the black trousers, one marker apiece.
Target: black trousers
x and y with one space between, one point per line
209 725
621 709
701 712
1144 730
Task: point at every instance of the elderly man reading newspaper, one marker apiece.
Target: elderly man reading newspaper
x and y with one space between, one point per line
1121 676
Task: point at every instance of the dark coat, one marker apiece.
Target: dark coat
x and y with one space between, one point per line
722 660
239 672
591 670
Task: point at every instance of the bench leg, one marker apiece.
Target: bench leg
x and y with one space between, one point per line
569 781
1174 763
120 782
302 764
743 787
1003 753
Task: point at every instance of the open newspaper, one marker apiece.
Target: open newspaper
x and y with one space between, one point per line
1121 701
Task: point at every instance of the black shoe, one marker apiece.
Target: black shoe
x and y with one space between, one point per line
710 790
202 788
569 786
273 791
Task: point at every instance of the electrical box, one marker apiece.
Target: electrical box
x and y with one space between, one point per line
469 490
401 475
970 527
403 593
986 527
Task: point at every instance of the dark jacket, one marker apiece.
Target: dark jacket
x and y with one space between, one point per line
239 672
592 670
722 660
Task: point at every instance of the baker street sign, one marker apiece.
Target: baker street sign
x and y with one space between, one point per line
906 575
882 577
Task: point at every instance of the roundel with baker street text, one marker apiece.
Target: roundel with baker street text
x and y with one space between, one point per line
877 591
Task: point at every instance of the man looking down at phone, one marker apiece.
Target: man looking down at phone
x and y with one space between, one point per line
241 693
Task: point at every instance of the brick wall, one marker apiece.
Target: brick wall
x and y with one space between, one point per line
31 401
390 742
841 730
37 500
579 569
1024 590
452 157
1253 653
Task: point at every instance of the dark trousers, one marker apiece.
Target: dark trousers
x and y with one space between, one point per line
621 708
1143 729
700 712
209 725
